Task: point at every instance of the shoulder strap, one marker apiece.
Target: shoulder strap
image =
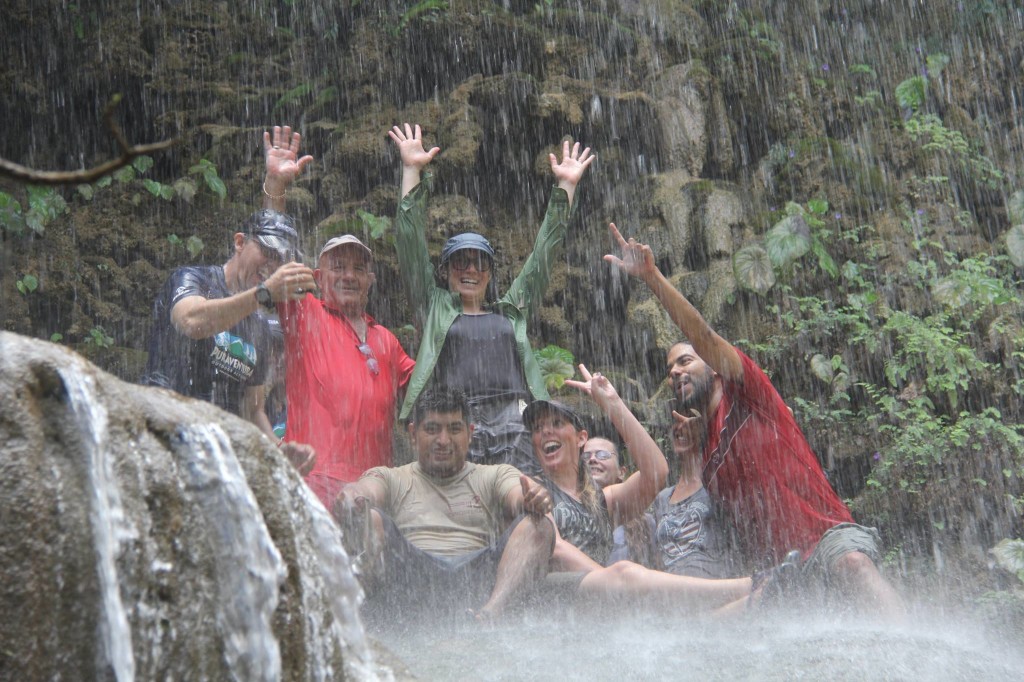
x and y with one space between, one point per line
739 413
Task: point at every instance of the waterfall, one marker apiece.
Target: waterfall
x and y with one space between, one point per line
341 588
249 567
109 524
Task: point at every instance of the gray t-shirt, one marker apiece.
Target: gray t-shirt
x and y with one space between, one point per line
689 535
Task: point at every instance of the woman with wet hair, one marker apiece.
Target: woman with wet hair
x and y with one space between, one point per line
472 339
584 513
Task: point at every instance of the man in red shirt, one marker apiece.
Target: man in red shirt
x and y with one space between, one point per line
344 371
757 463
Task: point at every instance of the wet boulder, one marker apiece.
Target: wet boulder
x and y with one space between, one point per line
149 536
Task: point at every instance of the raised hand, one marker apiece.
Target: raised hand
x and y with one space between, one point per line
410 146
281 149
595 385
637 259
573 164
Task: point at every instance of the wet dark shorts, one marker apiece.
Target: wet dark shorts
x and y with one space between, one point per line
840 540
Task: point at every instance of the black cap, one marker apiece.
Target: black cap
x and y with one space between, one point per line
537 407
276 231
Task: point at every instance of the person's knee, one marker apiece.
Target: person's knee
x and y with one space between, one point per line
854 567
622 573
537 529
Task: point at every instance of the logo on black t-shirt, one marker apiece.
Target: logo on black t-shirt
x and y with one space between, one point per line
233 356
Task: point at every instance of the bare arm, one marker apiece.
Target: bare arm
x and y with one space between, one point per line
638 260
365 488
198 318
253 408
281 151
414 157
627 500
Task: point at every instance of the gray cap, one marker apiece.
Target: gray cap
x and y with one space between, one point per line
466 240
538 407
276 231
341 240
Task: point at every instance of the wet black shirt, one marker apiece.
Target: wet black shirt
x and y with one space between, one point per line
218 368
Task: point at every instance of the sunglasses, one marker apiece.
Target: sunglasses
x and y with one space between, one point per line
600 455
462 261
371 362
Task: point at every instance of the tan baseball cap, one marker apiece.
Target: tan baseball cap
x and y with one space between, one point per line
341 240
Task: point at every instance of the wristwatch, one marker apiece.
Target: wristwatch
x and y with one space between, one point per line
263 296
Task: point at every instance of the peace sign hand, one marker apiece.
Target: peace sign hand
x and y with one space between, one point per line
637 259
595 385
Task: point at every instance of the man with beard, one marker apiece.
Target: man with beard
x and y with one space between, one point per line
447 534
756 462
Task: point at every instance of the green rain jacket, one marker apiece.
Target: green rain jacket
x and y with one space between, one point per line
436 308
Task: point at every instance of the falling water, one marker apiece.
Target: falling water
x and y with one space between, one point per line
109 524
339 586
248 595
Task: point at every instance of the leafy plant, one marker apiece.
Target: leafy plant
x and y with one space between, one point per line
1015 245
556 365
752 269
45 204
862 69
936 63
99 338
293 95
194 245
420 8
157 189
208 171
1009 554
802 230
377 226
911 93
27 284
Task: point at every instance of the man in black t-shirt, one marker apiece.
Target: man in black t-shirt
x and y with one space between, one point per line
211 337
210 340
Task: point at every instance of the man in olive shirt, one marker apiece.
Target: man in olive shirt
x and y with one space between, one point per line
449 528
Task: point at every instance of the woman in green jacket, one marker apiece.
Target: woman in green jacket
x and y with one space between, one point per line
469 341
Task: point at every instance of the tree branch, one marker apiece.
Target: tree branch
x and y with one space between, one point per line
128 152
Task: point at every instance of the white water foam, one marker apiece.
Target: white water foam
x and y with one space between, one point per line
249 567
344 595
109 524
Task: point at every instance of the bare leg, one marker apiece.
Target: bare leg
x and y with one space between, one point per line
625 579
524 561
858 577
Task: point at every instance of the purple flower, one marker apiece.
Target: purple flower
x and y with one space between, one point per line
920 211
839 216
792 153
824 67
878 456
